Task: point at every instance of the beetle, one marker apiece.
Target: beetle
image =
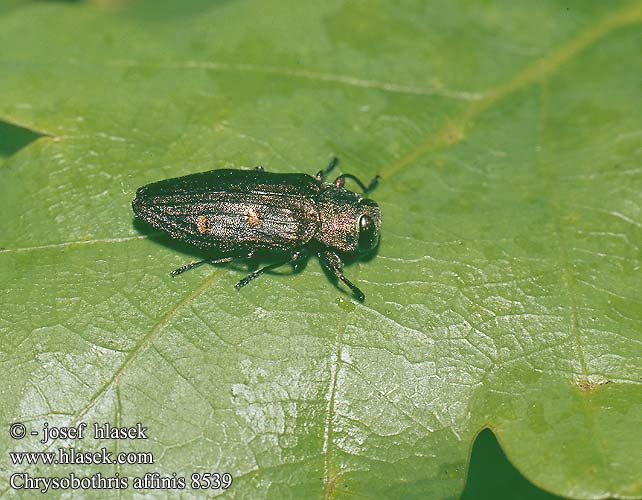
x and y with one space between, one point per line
235 213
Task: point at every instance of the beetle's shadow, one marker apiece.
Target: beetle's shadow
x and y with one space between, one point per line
193 253
164 239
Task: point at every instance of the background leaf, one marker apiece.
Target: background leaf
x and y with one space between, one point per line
490 475
505 293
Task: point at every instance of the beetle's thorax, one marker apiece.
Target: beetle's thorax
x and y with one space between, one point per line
339 214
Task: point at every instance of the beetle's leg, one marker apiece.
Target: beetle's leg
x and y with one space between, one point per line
321 174
222 260
192 265
341 180
295 256
333 263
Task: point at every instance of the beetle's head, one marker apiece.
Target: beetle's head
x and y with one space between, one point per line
369 222
348 223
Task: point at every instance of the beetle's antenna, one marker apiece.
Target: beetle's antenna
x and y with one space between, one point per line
341 180
321 174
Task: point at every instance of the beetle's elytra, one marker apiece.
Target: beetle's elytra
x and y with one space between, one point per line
235 213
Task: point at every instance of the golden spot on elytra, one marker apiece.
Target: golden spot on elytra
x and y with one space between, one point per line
253 218
202 223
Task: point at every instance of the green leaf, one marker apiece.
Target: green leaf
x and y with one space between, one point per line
505 292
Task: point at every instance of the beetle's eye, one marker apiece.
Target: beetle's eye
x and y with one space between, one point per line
367 233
